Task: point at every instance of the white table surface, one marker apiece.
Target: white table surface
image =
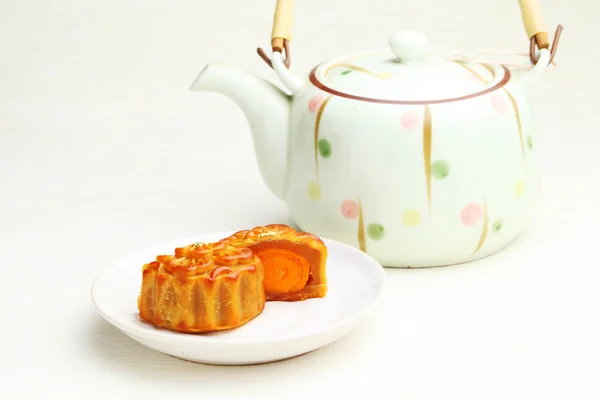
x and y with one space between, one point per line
104 151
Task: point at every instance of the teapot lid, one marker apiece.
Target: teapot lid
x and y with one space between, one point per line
408 72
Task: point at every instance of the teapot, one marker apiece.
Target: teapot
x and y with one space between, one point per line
419 157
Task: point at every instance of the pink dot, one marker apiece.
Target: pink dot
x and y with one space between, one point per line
315 103
410 119
471 214
499 102
350 209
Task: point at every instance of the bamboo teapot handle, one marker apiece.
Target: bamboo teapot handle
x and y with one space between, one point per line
535 27
531 15
281 34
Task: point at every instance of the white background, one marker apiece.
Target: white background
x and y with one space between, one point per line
103 150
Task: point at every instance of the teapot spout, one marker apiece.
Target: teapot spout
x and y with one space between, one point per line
266 109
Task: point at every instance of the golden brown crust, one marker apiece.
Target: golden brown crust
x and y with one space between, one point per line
260 236
202 288
275 231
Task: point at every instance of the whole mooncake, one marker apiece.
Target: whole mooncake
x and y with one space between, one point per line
202 288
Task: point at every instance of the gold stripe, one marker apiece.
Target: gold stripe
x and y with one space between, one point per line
489 68
361 228
484 229
518 117
354 68
427 151
317 124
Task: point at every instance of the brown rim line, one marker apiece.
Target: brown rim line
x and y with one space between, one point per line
313 79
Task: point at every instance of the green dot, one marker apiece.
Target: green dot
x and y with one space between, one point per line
346 72
375 231
529 142
440 170
497 226
324 148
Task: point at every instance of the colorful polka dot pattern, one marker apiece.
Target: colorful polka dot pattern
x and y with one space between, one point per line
411 119
471 215
315 103
375 231
497 226
350 209
519 189
440 170
499 102
324 148
411 218
314 191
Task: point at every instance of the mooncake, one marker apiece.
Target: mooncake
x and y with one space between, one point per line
202 288
294 262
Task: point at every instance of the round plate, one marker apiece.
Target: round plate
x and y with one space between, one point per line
282 330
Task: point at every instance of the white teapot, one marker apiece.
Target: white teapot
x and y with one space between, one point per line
418 157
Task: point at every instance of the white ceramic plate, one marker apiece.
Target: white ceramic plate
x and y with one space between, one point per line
282 330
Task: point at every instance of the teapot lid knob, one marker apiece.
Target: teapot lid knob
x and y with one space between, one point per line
408 45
